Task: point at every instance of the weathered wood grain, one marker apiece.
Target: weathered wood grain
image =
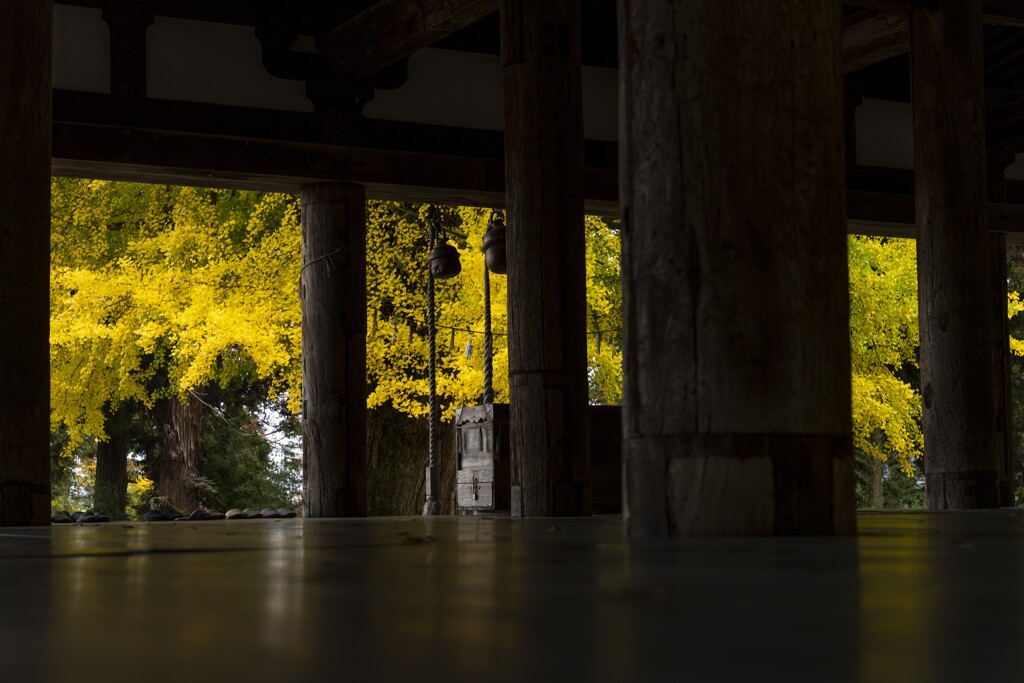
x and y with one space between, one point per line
872 36
25 121
997 161
736 363
181 454
392 29
546 254
333 291
954 258
111 489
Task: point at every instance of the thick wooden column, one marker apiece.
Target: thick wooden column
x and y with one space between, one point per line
997 161
547 270
736 371
26 28
955 259
333 294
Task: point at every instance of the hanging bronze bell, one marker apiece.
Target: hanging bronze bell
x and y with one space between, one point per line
444 261
495 254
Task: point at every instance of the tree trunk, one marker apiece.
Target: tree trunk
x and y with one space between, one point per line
876 497
25 121
180 457
736 362
396 457
333 291
111 490
546 254
955 259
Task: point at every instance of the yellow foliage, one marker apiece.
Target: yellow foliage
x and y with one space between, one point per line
147 281
883 344
159 290
884 339
397 350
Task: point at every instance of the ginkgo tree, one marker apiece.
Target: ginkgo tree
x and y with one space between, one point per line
197 284
883 348
158 291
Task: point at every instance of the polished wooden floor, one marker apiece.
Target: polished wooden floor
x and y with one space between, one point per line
914 597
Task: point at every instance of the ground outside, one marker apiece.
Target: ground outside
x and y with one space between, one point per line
914 597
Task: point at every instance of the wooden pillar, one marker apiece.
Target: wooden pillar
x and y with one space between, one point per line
736 406
1005 463
25 121
997 162
955 259
333 292
547 269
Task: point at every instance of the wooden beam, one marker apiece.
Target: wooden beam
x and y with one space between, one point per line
872 36
882 30
1003 13
181 158
994 12
393 29
892 5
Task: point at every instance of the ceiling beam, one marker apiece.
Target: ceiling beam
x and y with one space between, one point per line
882 30
892 5
112 152
995 12
393 29
177 158
1004 13
871 36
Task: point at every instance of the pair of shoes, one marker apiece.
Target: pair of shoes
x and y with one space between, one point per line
90 517
161 516
61 517
202 515
250 513
286 513
234 513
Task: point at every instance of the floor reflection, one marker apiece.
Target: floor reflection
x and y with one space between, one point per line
941 597
913 598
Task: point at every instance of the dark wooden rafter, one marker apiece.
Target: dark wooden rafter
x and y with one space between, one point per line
882 30
393 29
310 15
1002 48
872 36
279 151
994 12
182 158
1003 13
